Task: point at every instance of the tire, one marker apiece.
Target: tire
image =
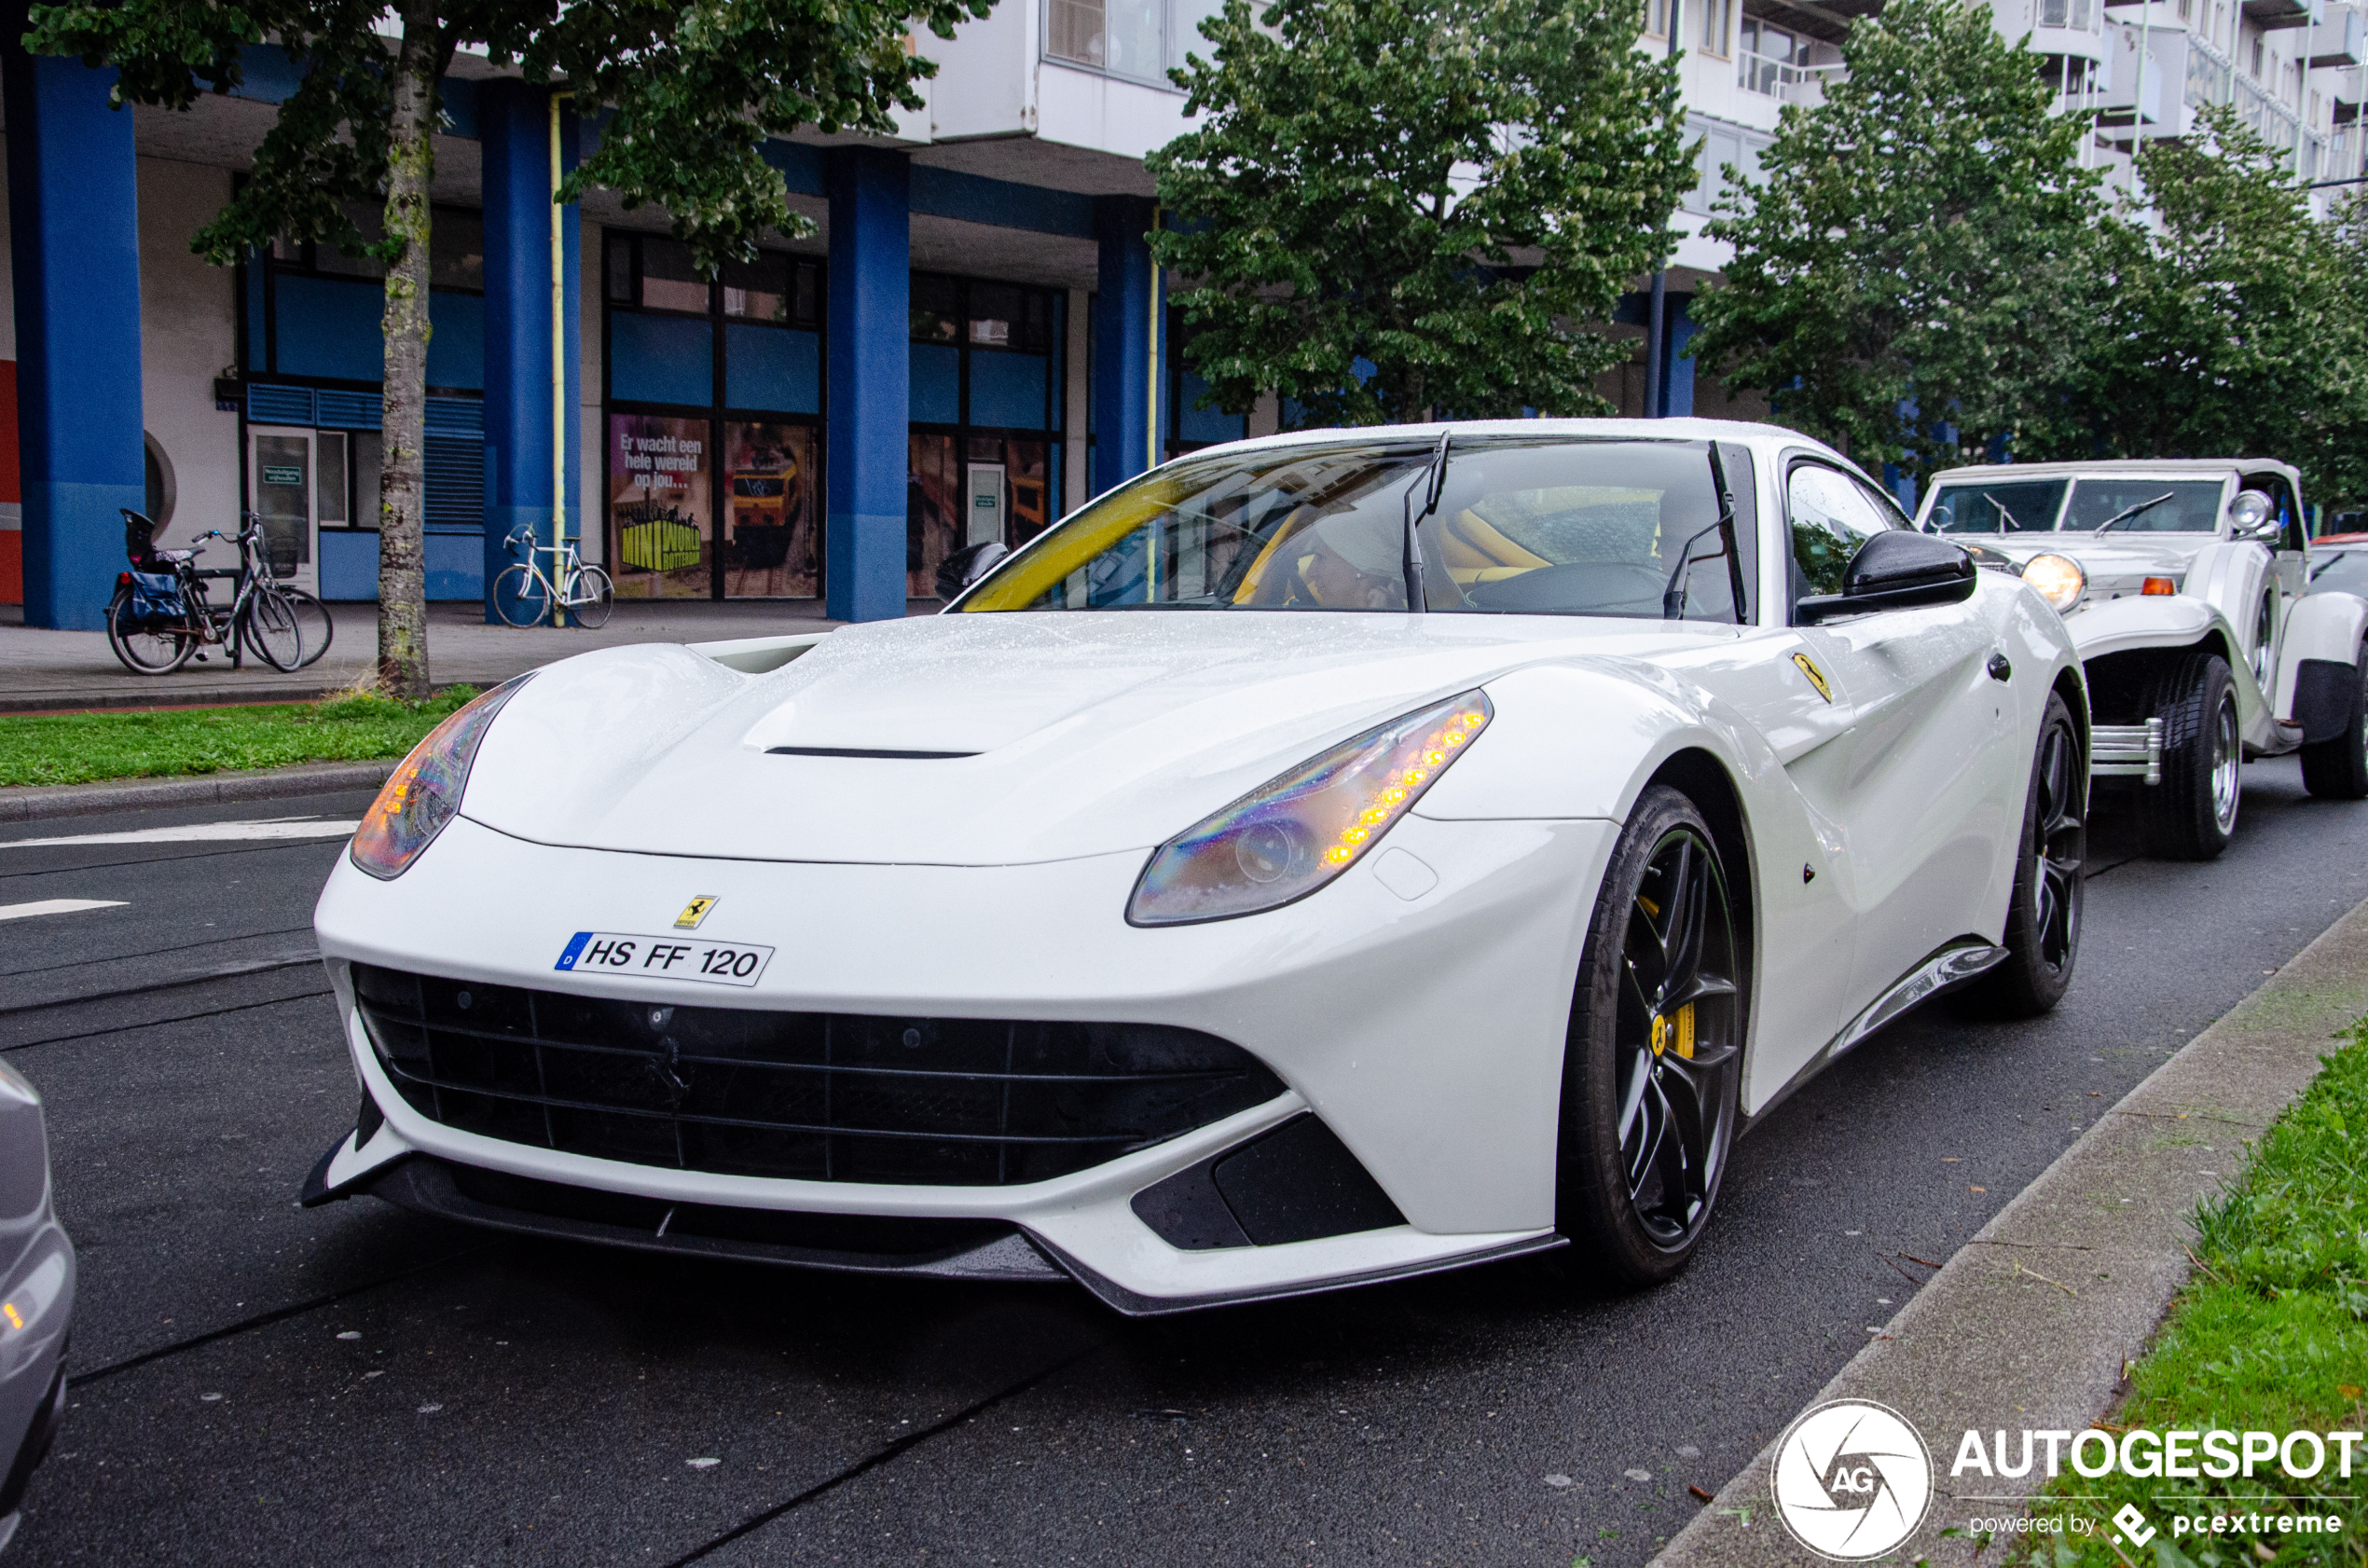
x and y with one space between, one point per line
1654 1058
2192 813
267 624
314 622
519 598
595 595
142 651
2043 921
2337 769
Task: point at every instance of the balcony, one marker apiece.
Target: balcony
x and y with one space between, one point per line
2335 40
2271 15
1783 80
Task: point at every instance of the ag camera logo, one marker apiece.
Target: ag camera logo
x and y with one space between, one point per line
1852 1479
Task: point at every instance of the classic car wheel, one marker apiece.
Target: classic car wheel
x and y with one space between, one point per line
1652 1067
2043 922
2336 769
2192 813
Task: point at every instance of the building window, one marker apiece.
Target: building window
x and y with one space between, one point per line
2080 14
1657 17
1718 27
1141 38
714 438
1766 51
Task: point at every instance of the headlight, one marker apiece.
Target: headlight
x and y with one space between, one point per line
1285 839
2058 579
424 794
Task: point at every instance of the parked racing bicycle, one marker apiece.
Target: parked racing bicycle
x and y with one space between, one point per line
162 611
523 594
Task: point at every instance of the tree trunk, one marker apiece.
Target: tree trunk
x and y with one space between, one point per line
403 602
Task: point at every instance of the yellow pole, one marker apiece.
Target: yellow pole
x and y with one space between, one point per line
559 410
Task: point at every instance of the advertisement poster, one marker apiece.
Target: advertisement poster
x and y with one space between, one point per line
771 542
661 507
932 510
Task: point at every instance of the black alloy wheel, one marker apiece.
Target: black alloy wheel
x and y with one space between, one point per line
2042 919
1652 1069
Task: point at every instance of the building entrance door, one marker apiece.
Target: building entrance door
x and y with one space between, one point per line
285 491
986 504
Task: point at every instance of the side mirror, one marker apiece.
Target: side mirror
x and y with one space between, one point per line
965 567
1896 571
2252 517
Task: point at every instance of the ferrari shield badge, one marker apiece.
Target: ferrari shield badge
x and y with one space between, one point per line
1807 667
696 910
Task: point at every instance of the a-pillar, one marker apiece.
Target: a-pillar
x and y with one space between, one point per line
531 393
1125 321
870 334
73 214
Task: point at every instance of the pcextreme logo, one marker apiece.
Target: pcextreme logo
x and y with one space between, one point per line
1852 1479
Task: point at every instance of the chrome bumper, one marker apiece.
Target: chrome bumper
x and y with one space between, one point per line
2126 752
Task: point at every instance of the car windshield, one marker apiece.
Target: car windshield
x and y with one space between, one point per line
2340 570
2145 505
1567 526
1997 506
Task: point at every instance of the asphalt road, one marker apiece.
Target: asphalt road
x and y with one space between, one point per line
259 1383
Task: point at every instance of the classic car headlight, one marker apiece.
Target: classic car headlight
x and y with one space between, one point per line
424 794
1285 839
2058 579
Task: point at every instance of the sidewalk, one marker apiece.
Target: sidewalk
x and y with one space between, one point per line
62 669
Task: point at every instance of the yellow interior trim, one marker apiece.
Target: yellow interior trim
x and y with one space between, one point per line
1046 569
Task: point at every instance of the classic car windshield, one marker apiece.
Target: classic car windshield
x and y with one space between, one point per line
1522 527
2037 505
1999 506
2151 505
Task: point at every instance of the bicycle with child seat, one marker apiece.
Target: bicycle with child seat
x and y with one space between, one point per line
523 594
162 614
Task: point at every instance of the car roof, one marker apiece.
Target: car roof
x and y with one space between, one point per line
2200 467
1759 435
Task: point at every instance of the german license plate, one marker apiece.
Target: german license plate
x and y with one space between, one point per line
631 954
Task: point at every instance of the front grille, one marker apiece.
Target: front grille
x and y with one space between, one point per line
946 1102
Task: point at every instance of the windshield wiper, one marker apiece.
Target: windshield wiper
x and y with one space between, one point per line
2003 518
1412 559
1674 595
2124 515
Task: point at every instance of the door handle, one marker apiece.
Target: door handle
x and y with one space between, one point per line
2000 667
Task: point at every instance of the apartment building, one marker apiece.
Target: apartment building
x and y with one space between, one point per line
974 341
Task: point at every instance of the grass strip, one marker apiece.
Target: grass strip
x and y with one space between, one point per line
2270 1335
85 748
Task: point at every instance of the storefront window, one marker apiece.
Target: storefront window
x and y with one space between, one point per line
670 281
661 502
771 539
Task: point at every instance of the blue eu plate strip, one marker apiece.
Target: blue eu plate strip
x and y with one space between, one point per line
574 951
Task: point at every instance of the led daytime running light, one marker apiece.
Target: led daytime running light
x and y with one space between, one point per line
1288 838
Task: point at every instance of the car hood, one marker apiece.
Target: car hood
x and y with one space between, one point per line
1070 734
2112 556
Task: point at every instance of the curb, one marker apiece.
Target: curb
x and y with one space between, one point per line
2031 1322
35 804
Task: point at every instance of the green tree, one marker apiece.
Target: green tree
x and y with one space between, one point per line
691 90
1440 188
2230 322
1911 269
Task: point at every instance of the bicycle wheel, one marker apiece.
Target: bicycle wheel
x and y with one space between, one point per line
521 597
267 624
146 646
593 597
314 623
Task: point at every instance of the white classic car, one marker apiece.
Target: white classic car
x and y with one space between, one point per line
2186 586
1322 859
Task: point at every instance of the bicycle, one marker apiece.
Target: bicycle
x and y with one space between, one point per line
162 612
523 594
313 624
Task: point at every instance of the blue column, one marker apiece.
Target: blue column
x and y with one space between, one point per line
1678 328
514 126
868 403
1122 305
73 210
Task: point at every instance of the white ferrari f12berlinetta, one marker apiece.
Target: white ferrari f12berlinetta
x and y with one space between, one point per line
1322 859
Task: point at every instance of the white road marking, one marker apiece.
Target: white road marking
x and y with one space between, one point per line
199 832
55 906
